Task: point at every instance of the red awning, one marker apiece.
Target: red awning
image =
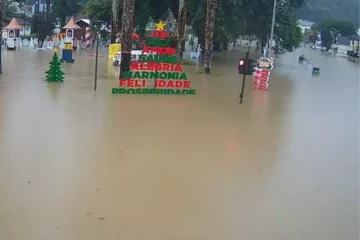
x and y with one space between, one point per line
13 25
71 24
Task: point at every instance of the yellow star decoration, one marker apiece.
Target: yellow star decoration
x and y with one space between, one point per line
160 26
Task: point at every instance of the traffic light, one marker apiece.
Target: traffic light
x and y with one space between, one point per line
246 67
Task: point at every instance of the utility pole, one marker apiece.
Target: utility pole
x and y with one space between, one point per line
272 27
248 66
334 35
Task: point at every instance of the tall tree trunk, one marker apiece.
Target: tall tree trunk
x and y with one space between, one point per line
127 29
181 23
115 19
47 10
1 20
62 21
209 33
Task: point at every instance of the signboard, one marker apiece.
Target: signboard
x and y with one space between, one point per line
261 79
113 49
157 64
265 63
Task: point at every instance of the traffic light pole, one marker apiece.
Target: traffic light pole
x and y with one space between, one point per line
244 76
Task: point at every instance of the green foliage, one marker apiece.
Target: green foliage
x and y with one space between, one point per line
288 34
63 8
54 74
41 26
142 17
233 18
98 9
159 8
9 9
329 27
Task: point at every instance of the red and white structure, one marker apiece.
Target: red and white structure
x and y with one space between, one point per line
261 79
88 37
262 73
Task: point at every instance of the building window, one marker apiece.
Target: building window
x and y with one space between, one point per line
27 28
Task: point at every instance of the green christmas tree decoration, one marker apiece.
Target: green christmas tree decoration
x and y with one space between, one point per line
55 74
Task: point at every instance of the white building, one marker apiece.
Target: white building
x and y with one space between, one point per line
305 25
39 6
26 27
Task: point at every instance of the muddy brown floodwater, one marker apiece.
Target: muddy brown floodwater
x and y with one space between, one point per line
82 165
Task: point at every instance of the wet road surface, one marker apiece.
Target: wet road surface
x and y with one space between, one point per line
82 165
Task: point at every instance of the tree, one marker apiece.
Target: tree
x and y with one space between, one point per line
142 16
98 10
330 28
41 26
116 13
64 8
288 34
127 29
54 74
181 22
209 33
9 9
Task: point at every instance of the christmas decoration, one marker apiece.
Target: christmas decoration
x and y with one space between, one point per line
54 74
158 65
160 26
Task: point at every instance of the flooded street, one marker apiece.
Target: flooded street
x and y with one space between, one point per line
82 165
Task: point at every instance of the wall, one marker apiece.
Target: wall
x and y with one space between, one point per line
25 31
342 49
40 8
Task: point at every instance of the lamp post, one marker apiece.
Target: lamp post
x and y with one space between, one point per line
273 21
334 33
272 28
97 25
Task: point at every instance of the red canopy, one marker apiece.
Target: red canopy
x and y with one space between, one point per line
13 25
71 24
135 37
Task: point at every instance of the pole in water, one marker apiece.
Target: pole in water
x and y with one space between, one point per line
244 77
96 60
1 45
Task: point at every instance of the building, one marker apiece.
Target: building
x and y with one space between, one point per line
26 27
343 45
39 6
355 44
305 25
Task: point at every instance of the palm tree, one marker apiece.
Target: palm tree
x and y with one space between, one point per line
127 29
181 25
1 20
209 32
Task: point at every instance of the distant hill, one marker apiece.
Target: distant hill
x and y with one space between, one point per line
318 10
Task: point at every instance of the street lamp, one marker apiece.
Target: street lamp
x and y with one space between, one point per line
334 33
272 27
275 11
97 26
